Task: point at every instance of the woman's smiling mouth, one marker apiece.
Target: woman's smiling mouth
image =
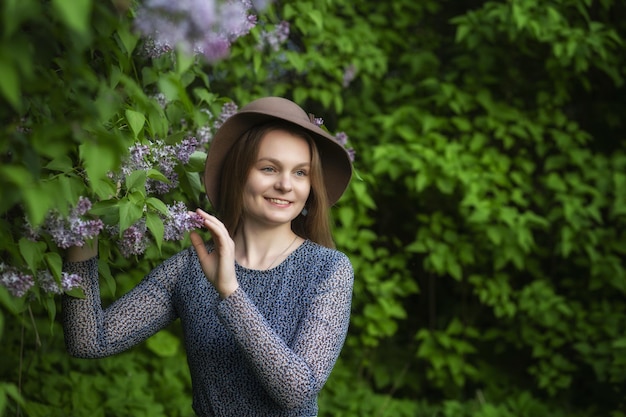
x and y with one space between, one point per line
278 201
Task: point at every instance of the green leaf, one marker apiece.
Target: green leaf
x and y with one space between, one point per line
136 181
129 214
99 161
157 205
136 121
76 293
157 175
104 208
9 82
75 14
62 163
163 343
317 17
32 252
196 162
105 271
128 39
155 225
55 263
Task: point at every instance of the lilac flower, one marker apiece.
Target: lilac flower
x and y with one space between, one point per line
351 154
153 48
161 99
234 17
317 121
83 206
228 109
342 139
73 230
50 285
179 221
204 135
204 26
162 157
214 48
185 148
15 281
348 75
70 281
134 240
47 282
275 38
261 4
30 232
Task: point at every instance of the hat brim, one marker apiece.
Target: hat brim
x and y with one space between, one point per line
336 165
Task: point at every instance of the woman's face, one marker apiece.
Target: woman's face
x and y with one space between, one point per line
278 184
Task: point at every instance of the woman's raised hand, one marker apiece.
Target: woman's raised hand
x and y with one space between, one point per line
219 265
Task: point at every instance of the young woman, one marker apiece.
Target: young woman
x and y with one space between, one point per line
265 305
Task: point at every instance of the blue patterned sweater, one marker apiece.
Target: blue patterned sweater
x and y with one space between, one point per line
266 350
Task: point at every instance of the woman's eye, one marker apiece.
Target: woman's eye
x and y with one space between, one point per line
268 169
301 173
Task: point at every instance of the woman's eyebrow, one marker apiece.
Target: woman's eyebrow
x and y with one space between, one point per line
277 162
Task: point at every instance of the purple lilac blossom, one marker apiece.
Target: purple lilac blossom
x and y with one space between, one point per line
348 75
205 26
134 240
179 221
15 281
161 99
342 139
185 148
228 109
50 285
275 38
73 230
70 281
30 232
351 154
260 4
155 48
47 282
204 135
162 157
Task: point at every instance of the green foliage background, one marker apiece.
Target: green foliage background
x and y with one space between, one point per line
486 223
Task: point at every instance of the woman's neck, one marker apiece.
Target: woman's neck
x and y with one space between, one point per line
257 248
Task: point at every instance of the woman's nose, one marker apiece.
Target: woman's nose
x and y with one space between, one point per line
283 183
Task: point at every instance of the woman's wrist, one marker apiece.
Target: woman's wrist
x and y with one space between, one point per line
82 253
228 290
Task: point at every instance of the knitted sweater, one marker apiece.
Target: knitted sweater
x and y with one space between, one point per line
266 350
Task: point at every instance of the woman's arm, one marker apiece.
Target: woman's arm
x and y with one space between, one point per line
92 331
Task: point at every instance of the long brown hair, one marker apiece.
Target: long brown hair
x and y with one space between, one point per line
314 225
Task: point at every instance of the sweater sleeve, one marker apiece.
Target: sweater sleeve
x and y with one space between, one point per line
294 375
92 331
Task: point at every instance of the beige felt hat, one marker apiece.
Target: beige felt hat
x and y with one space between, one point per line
336 165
